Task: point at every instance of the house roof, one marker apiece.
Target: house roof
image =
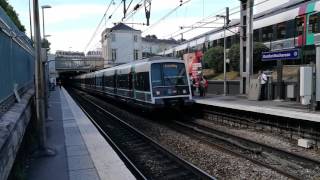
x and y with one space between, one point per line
168 41
122 26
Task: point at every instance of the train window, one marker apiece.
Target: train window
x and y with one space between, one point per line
256 35
156 75
290 29
314 23
142 81
300 25
267 33
123 81
228 41
174 74
281 30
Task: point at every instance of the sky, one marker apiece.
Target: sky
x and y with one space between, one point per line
72 23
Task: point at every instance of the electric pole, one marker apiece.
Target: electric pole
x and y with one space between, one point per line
147 8
39 86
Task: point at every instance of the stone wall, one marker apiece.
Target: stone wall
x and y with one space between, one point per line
12 128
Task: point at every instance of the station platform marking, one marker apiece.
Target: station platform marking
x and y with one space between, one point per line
260 107
90 154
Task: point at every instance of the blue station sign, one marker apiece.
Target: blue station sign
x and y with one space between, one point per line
291 54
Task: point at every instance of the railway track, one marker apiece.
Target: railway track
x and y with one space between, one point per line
144 157
289 164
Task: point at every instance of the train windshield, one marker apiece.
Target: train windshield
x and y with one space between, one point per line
169 74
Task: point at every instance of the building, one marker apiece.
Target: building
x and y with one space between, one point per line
151 45
95 59
121 44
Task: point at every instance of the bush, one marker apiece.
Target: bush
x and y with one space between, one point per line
234 56
213 58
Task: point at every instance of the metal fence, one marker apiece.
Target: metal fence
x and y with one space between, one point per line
16 59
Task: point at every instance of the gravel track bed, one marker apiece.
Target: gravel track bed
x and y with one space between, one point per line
214 162
269 138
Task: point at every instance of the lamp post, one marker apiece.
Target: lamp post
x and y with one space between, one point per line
224 54
39 85
43 30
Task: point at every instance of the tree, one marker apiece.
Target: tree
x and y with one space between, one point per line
258 48
214 58
234 57
12 14
45 44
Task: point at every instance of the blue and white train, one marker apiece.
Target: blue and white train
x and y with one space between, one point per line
156 82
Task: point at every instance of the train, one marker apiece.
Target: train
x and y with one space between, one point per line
153 83
295 24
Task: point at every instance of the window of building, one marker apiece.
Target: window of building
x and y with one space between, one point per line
281 30
136 54
314 23
135 38
114 54
113 37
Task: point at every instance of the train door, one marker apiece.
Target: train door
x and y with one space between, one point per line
300 30
115 82
133 71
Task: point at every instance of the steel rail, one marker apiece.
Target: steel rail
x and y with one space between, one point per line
190 167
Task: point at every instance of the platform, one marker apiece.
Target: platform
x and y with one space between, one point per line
82 152
287 109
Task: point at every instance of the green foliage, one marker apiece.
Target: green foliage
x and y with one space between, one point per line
214 58
234 56
45 44
12 14
258 48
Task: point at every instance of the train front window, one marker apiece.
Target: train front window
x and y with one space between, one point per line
168 74
174 74
156 75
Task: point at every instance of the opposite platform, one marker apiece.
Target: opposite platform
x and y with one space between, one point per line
283 109
82 152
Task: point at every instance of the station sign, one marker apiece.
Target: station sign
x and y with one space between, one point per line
291 54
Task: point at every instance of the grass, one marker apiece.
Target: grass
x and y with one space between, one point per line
233 75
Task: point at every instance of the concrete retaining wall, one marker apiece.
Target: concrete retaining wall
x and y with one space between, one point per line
12 128
216 87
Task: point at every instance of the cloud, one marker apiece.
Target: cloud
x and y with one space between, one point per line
71 12
74 40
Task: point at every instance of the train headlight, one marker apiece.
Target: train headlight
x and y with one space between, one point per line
184 91
157 93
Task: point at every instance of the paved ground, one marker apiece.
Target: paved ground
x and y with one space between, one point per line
289 109
52 168
82 153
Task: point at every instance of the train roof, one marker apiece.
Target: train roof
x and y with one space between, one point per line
276 10
142 62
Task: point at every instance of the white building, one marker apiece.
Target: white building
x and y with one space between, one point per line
121 44
95 59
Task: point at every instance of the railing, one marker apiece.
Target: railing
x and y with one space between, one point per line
16 61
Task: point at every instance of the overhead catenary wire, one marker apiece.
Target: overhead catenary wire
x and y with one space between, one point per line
165 16
103 18
180 31
97 28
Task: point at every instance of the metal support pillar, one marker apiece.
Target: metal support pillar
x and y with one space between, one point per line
224 58
279 80
39 85
246 44
249 44
317 76
40 111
